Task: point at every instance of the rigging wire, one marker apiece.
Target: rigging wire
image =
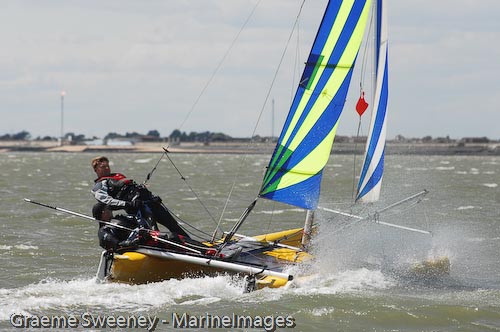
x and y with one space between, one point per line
361 83
185 223
296 63
226 203
202 92
354 172
268 227
188 185
171 212
258 119
219 65
277 69
150 174
210 79
365 52
294 27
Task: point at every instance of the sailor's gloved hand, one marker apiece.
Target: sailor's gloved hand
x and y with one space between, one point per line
144 234
135 203
156 199
129 242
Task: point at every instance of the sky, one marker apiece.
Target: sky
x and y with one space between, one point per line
135 66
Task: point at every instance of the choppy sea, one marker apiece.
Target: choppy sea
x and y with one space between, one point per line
48 259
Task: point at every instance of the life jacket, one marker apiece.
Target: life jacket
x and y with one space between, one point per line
118 185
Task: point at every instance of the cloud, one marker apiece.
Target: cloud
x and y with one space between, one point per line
135 66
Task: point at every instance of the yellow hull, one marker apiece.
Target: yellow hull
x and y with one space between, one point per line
432 268
138 267
142 267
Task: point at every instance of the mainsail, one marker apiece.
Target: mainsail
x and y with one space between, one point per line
295 169
373 166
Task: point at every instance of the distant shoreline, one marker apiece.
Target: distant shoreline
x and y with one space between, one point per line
481 149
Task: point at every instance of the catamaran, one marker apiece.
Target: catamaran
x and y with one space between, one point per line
295 169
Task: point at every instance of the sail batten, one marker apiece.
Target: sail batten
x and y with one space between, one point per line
295 170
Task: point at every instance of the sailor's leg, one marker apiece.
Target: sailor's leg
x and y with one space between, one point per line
164 217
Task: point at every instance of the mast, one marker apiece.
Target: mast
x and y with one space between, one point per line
307 233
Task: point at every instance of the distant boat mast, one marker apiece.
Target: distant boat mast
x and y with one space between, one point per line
62 117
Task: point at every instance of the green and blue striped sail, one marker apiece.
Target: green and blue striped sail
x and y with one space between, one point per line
295 169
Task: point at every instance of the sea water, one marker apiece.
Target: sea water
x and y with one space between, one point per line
359 282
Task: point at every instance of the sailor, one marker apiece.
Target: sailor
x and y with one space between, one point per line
118 231
116 191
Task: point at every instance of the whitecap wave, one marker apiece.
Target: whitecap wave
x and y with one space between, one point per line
78 295
474 171
272 212
348 281
25 247
86 294
324 311
442 168
417 168
142 161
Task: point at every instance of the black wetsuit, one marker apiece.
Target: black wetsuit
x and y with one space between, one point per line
118 192
110 237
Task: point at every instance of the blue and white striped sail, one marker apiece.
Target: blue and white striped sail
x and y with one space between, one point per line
373 166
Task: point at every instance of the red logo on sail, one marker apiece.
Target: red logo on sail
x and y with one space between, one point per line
362 105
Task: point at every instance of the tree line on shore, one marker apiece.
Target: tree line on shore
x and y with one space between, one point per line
151 136
207 136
